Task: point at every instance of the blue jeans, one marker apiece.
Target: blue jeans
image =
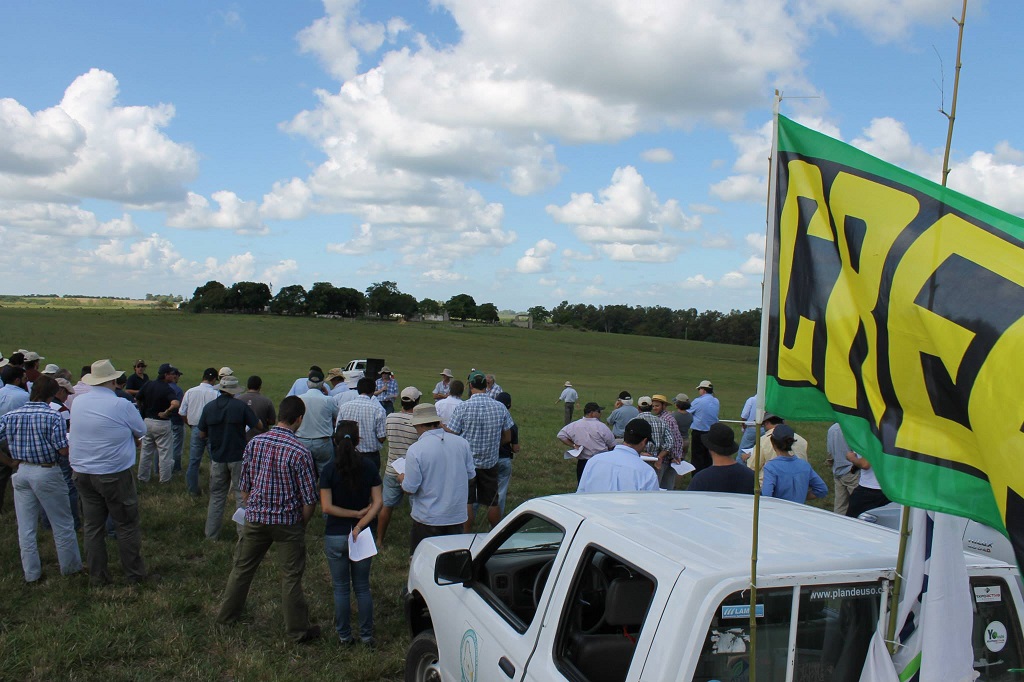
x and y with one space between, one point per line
504 475
43 488
65 470
178 431
195 457
342 572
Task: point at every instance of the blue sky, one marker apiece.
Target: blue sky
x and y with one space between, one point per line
599 151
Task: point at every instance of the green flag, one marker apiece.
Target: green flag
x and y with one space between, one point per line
897 309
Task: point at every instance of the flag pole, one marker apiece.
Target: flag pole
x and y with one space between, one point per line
762 368
897 585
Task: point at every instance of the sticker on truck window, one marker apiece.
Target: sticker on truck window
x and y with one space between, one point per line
995 636
846 592
741 611
988 593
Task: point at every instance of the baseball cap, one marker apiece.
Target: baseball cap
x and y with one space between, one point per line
592 407
682 398
638 428
411 394
477 379
210 373
705 384
225 372
644 401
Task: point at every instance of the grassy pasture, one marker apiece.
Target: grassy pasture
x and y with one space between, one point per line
62 629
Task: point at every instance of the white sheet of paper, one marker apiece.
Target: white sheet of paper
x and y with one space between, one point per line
399 465
683 468
239 516
574 453
649 458
363 547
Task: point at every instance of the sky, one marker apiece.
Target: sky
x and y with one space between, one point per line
525 153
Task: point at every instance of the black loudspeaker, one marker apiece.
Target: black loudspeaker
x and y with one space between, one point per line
373 367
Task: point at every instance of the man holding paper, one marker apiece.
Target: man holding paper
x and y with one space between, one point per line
587 437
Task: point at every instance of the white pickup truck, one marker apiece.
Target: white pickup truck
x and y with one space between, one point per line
655 586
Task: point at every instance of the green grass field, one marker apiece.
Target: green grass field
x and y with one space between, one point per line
62 629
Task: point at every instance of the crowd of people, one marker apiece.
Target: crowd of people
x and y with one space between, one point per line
76 453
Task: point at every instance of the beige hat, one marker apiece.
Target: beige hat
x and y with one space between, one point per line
385 370
682 398
102 372
32 356
705 384
424 414
644 401
66 385
229 384
225 372
568 384
334 373
51 369
660 398
447 373
411 393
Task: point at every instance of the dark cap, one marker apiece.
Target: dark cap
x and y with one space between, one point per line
139 363
782 433
772 418
624 395
592 407
505 399
720 439
638 429
210 373
316 376
175 370
165 368
477 379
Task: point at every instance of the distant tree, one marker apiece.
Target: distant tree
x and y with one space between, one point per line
540 314
381 299
488 312
461 307
212 296
250 297
349 302
404 305
429 306
320 298
290 300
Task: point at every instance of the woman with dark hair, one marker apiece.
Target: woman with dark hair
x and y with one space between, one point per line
787 476
350 496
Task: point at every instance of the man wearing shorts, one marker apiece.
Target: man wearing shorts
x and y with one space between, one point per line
485 423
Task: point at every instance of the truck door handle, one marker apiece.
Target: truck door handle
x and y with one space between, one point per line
506 666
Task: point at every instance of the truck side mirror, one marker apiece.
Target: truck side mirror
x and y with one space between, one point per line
454 567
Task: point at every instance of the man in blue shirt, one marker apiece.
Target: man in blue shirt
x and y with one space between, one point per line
621 469
13 395
704 409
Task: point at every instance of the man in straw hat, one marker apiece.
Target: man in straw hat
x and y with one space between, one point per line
571 399
444 386
102 456
223 424
438 468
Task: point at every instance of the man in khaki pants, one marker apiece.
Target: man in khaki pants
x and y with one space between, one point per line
847 477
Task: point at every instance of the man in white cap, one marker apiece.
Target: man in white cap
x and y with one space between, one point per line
32 365
704 409
223 423
438 469
571 399
444 386
400 435
102 456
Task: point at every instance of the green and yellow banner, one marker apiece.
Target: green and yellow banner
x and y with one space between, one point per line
897 309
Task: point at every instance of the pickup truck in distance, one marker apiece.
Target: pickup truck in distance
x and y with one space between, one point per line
612 587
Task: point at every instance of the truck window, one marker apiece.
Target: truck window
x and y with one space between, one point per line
834 628
996 637
602 618
724 656
511 573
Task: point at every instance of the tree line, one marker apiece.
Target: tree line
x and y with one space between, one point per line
381 299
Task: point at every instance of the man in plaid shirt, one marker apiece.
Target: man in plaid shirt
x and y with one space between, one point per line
371 416
36 437
486 424
278 485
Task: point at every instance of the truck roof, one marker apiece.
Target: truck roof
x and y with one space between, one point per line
710 533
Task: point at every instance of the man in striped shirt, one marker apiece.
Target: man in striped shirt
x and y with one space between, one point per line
36 437
400 435
278 485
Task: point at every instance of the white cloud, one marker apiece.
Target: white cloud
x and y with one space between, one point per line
995 178
571 254
62 220
537 258
232 213
338 38
547 282
89 147
438 275
658 155
281 271
753 266
741 188
697 282
882 20
717 241
626 219
287 201
889 140
733 280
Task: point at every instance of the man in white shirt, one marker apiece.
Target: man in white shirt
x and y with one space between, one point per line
102 453
192 404
621 468
571 398
447 406
443 387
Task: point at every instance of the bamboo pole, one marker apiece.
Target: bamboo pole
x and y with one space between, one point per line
897 585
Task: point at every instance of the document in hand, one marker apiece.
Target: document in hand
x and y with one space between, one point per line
683 468
574 453
399 465
362 547
239 516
